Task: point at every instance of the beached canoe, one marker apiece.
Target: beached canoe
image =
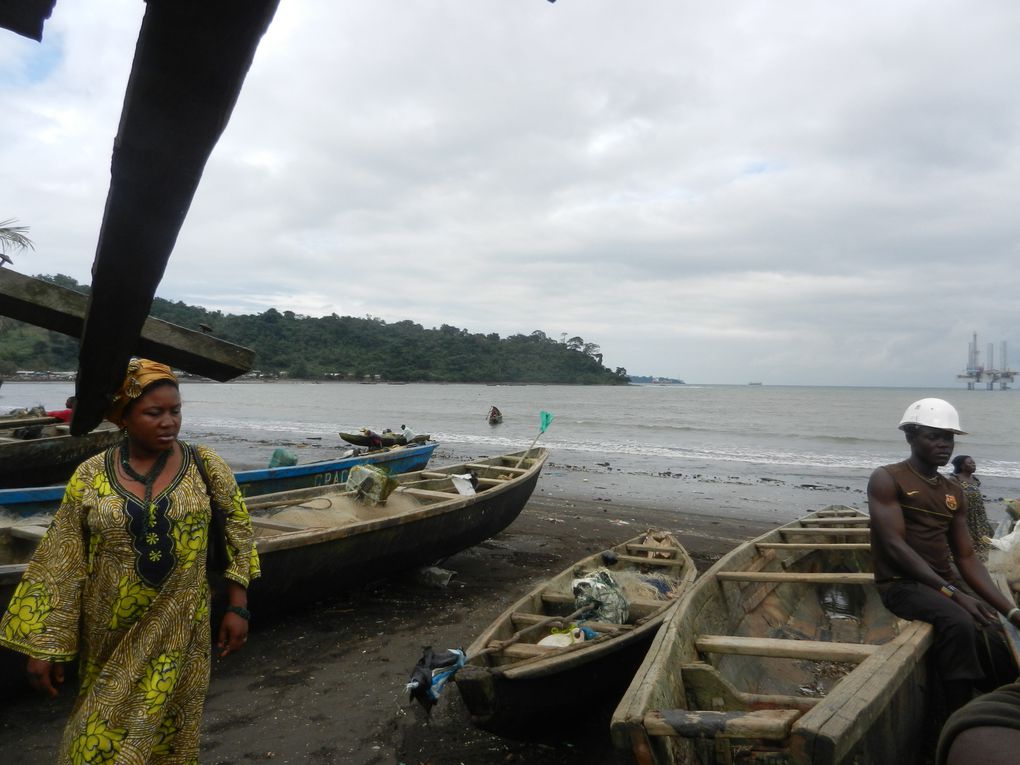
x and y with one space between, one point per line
515 684
315 542
35 451
782 652
386 438
45 499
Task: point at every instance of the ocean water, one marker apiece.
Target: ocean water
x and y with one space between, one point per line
739 446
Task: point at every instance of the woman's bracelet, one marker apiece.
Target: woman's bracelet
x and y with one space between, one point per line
245 614
1013 610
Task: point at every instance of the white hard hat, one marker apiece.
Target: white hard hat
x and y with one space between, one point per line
933 412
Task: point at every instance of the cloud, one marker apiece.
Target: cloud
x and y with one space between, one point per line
799 193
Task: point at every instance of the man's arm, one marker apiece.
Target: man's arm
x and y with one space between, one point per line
889 530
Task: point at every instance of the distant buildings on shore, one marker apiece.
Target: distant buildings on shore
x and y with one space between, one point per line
650 380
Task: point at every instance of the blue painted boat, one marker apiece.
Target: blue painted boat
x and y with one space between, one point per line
45 499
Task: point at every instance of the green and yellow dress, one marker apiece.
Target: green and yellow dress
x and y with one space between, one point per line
123 589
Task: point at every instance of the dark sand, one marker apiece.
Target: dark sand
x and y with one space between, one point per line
327 685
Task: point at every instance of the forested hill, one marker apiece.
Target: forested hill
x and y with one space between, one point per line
344 347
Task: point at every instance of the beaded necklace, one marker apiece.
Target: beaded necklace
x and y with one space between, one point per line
147 480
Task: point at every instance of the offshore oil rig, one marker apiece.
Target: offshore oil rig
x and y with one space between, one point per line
990 375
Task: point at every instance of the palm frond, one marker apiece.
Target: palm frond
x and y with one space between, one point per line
15 236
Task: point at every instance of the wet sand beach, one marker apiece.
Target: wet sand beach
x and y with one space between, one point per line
326 685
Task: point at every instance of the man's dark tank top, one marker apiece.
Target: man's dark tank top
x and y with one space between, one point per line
929 506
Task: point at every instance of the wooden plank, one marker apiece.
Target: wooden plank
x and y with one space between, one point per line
498 468
561 598
427 493
269 523
814 650
849 532
834 727
796 577
527 650
651 548
63 310
174 112
21 422
652 561
855 521
33 533
814 545
772 724
518 617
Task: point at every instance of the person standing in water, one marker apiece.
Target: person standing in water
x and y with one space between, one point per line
918 529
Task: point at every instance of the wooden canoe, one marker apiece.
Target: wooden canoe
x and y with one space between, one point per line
52 455
45 499
387 438
515 687
316 542
313 542
753 667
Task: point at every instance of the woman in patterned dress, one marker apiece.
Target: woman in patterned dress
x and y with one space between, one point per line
119 583
977 520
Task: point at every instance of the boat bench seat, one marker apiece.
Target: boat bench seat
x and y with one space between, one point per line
34 533
269 523
651 561
813 650
796 577
813 545
498 468
426 493
527 650
772 724
638 607
518 617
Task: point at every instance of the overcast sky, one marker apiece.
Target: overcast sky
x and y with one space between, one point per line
785 192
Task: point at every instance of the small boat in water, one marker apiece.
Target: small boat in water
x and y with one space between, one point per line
782 652
45 499
524 681
36 450
494 416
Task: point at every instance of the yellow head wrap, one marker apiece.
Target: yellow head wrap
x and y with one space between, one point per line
141 373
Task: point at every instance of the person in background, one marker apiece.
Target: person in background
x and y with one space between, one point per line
918 526
118 582
64 415
977 520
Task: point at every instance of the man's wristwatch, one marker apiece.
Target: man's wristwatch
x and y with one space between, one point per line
948 590
1013 610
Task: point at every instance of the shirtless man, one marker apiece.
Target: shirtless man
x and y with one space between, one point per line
918 530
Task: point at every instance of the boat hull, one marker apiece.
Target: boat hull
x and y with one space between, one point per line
50 459
519 689
299 575
755 661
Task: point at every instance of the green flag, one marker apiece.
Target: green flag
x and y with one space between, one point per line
546 420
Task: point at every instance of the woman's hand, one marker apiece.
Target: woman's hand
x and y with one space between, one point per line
233 634
45 676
